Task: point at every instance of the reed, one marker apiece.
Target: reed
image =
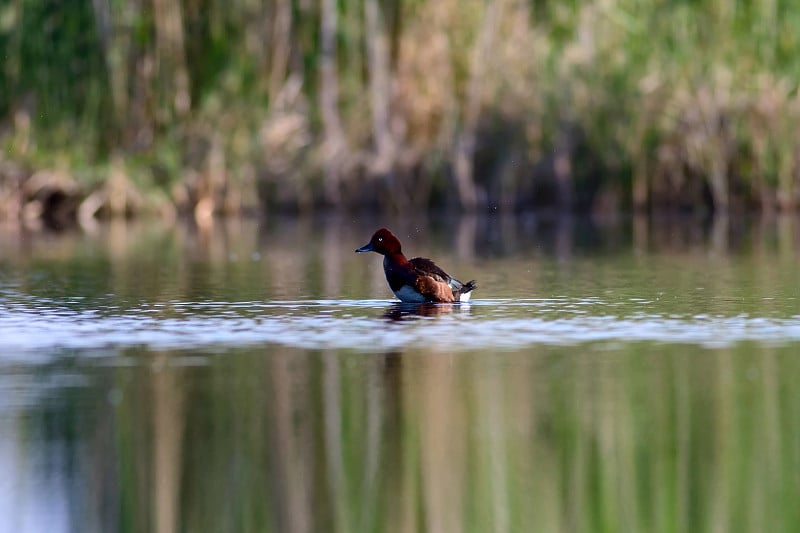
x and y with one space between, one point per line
201 105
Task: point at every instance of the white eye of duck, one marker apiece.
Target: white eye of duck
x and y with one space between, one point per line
380 239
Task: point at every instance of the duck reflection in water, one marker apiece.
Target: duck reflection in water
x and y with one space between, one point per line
409 311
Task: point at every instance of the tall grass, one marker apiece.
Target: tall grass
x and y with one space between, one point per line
610 104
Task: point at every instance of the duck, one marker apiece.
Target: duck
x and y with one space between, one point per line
417 280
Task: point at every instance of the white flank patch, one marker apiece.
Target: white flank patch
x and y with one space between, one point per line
409 295
465 297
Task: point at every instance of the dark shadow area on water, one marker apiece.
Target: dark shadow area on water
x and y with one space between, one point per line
492 234
497 234
400 311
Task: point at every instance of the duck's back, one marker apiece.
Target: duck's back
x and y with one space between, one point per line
426 267
430 270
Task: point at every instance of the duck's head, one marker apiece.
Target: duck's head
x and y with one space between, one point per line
383 242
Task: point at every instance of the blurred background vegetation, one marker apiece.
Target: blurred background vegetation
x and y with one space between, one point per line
223 106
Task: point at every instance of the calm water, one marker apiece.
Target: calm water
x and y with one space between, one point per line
257 376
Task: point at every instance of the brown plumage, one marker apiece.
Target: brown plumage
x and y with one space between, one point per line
415 280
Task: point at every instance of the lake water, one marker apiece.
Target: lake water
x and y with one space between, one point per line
611 375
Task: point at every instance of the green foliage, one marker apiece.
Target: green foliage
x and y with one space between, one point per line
58 63
641 80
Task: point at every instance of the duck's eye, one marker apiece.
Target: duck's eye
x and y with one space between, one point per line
380 239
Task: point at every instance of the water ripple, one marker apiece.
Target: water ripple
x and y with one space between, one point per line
31 326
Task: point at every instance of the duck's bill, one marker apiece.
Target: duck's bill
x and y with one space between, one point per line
366 248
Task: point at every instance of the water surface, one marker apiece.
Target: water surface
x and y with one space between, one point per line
257 376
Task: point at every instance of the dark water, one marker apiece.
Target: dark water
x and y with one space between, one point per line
621 375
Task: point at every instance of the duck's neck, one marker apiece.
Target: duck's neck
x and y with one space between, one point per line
397 259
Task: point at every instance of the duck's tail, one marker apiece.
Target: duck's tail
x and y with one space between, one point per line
466 290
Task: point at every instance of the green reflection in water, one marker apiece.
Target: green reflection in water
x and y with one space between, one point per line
646 437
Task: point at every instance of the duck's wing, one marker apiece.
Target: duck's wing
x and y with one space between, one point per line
429 268
433 290
432 282
426 267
